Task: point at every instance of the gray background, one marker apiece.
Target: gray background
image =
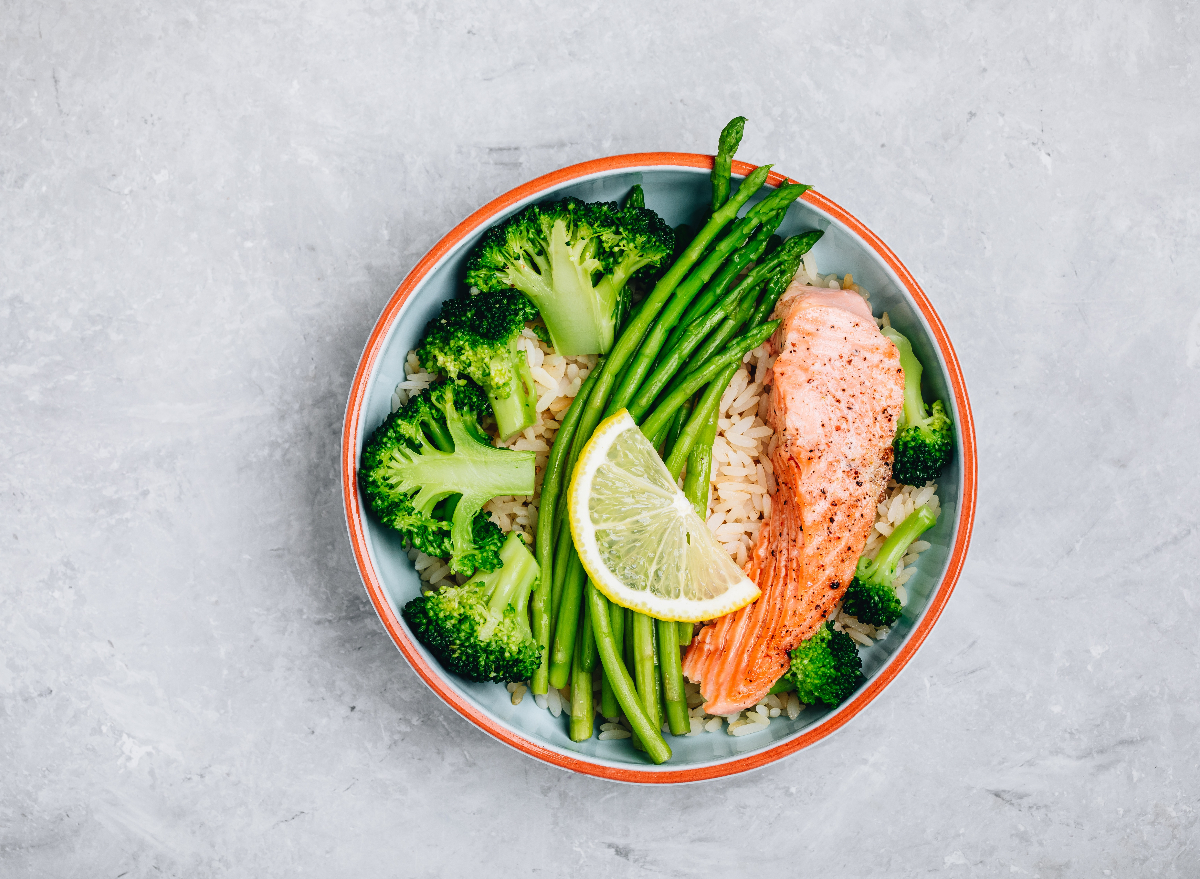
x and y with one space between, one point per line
204 207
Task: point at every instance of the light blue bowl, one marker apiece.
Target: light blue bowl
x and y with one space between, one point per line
677 187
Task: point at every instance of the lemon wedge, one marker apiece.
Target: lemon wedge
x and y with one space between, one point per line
639 538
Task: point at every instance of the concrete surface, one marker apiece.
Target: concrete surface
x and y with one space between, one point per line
203 208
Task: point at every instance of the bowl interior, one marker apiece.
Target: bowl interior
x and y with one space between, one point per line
679 195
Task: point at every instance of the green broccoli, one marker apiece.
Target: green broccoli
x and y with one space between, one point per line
574 260
871 597
477 336
428 470
480 630
924 439
825 668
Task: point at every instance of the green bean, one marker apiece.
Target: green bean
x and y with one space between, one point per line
543 612
647 353
720 284
685 632
563 650
715 342
608 699
562 555
686 336
727 144
782 278
705 411
676 425
750 311
674 698
585 640
741 297
623 687
699 468
696 487
705 373
645 667
583 719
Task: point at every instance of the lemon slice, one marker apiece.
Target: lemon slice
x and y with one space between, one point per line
639 538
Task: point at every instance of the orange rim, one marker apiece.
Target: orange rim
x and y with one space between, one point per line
433 677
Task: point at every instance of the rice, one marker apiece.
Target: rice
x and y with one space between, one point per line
740 490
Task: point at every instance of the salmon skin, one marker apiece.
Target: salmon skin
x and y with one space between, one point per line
837 390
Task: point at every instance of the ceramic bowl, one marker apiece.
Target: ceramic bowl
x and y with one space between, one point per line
677 187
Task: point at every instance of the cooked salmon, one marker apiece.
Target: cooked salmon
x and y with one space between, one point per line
836 392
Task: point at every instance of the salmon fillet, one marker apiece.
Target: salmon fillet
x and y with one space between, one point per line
837 390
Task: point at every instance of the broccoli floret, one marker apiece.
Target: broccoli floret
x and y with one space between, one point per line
924 439
477 336
428 470
480 630
825 668
574 260
871 596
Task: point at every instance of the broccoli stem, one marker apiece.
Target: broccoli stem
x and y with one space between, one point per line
674 698
727 144
516 410
512 582
626 693
889 555
608 698
914 405
439 436
563 650
483 470
702 375
545 603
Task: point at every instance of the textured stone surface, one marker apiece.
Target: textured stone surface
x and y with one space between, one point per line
203 208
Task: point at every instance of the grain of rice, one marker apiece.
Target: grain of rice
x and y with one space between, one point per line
614 735
793 706
859 637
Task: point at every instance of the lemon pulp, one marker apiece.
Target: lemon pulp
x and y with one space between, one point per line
639 538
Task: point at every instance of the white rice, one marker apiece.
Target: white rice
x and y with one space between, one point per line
739 499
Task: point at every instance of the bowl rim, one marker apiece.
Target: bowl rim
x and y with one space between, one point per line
433 677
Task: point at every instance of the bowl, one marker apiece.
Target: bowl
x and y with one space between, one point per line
677 187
